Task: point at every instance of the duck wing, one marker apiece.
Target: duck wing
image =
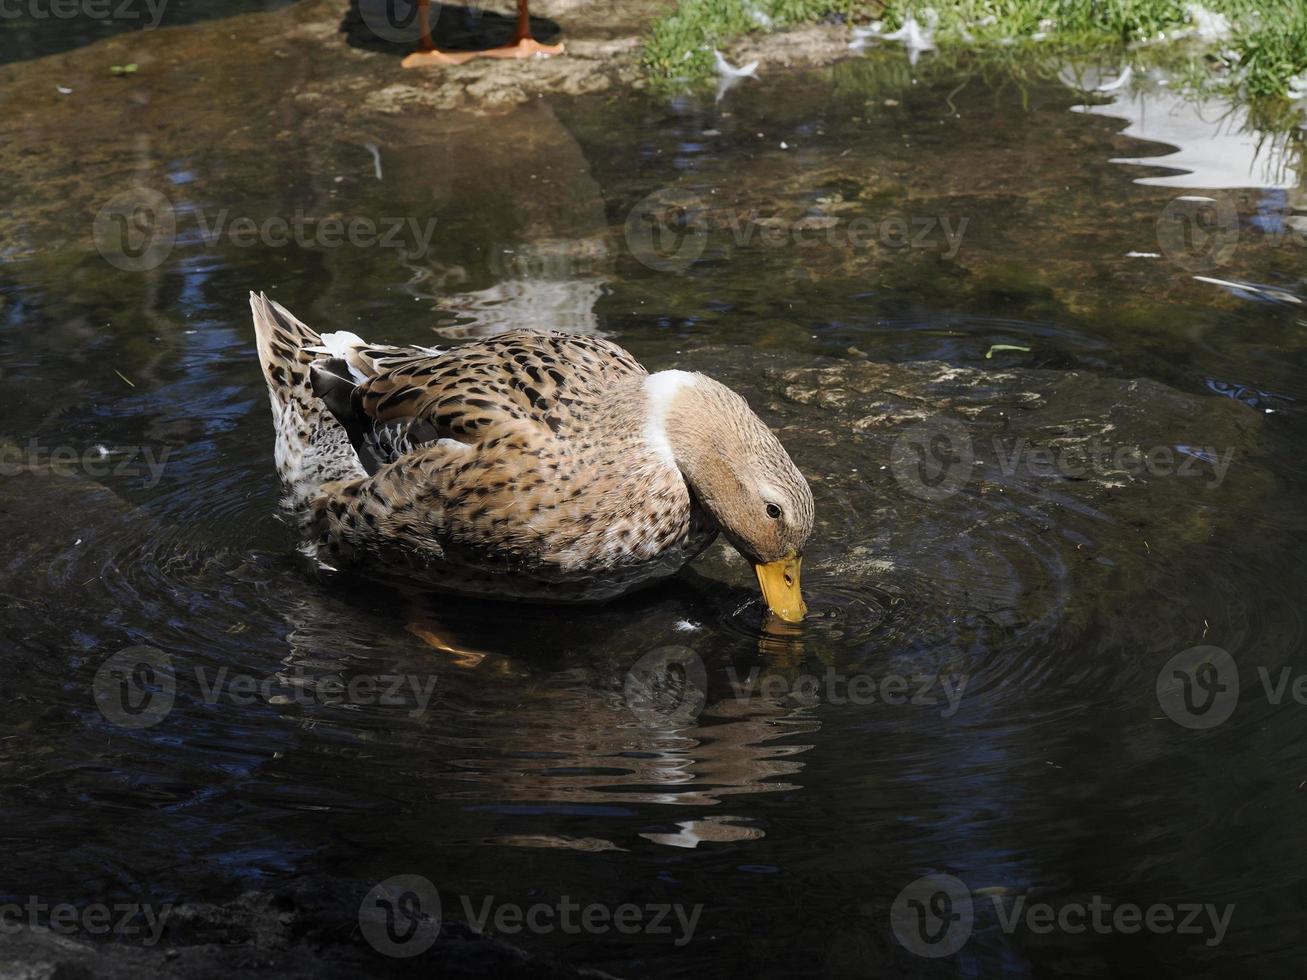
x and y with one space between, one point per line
395 401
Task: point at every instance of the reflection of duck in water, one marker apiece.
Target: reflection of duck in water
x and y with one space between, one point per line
567 305
544 257
559 728
530 465
551 282
523 44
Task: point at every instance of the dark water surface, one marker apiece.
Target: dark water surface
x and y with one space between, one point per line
793 811
38 28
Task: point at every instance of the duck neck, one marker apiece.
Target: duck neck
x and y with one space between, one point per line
687 425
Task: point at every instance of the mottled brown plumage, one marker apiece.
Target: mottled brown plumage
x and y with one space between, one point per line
531 464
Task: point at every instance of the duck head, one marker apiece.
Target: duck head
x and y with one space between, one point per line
740 474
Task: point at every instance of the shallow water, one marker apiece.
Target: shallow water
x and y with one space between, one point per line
521 757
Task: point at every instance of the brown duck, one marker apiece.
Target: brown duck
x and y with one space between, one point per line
530 465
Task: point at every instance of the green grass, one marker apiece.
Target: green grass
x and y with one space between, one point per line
680 43
1267 47
1278 49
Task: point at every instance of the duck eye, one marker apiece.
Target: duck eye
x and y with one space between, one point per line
773 512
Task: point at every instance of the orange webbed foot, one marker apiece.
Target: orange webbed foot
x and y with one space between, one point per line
434 56
527 47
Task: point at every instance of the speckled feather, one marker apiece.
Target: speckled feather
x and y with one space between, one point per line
312 448
516 465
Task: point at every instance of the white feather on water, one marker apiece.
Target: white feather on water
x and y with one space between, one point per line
727 70
376 158
914 37
861 35
728 75
1121 81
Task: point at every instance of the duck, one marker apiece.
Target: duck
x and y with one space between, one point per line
533 465
523 45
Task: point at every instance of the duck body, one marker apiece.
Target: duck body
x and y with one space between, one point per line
518 466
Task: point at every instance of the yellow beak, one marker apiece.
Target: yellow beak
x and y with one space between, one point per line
780 587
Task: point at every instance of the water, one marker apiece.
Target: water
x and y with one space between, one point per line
39 28
1005 639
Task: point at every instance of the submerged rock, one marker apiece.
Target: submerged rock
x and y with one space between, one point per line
308 930
1012 496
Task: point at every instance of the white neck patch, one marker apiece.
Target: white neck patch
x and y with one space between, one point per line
339 344
661 389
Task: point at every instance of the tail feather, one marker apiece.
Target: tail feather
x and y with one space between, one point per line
312 448
285 344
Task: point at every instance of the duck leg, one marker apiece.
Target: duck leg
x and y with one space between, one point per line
427 52
523 44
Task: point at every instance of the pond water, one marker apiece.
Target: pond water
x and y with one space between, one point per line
850 249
